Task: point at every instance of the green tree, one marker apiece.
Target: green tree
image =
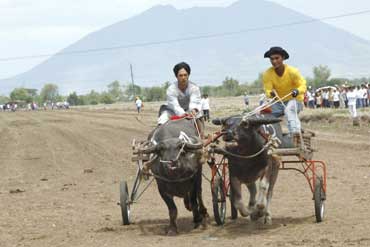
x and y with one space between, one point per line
115 90
132 90
231 87
4 99
93 98
206 90
21 94
106 98
166 85
73 99
321 75
155 94
50 92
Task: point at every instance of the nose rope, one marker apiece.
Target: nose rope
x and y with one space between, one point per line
177 157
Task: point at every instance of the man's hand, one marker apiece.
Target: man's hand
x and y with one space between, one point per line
194 112
295 93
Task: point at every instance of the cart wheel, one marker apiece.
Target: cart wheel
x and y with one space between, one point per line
219 201
124 203
319 198
234 211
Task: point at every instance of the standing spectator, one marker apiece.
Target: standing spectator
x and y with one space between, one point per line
364 95
331 98
368 94
336 100
325 98
352 105
310 98
305 99
246 99
343 97
14 107
205 106
358 92
139 104
318 100
262 99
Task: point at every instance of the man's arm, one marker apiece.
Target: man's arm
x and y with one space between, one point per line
300 82
195 99
173 102
267 84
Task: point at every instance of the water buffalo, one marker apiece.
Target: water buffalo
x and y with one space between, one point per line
176 162
250 162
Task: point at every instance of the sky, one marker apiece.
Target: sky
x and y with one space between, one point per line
32 27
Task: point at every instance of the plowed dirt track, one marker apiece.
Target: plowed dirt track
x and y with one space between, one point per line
67 166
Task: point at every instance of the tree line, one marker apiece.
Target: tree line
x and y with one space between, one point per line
118 92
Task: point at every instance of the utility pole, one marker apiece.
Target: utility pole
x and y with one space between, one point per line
132 80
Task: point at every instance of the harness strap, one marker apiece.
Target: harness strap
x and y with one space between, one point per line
225 152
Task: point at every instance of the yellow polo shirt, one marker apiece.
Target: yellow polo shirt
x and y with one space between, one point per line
291 79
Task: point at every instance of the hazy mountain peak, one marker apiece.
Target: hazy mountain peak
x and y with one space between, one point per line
212 59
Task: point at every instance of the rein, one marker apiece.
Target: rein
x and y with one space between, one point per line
269 143
177 156
180 180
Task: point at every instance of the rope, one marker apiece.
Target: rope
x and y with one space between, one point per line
272 102
180 180
267 145
177 156
196 127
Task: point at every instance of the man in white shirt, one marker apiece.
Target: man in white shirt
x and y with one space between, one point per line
358 93
364 95
325 98
139 104
336 99
310 98
205 107
352 104
183 97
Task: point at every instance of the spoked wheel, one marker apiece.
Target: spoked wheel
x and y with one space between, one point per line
319 198
219 201
124 203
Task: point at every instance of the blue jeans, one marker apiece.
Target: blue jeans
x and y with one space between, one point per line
290 109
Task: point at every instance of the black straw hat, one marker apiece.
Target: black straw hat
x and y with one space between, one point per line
277 50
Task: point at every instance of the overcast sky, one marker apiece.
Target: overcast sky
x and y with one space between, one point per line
30 27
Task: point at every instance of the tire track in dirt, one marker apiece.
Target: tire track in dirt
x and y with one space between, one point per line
77 208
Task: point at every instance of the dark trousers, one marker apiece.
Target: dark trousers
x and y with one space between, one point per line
311 104
206 115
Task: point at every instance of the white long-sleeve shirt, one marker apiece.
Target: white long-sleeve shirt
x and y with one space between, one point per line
310 96
335 96
351 96
180 102
205 104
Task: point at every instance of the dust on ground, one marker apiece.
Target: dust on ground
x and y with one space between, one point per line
60 174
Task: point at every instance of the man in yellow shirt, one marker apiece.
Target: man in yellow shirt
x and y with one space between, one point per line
282 79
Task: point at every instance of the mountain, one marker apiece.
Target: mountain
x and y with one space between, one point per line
239 55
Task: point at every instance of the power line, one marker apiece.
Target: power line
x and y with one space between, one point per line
190 38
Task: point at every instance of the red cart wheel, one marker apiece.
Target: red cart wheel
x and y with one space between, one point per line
219 201
319 199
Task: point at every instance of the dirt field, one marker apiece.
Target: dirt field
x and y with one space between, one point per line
60 174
